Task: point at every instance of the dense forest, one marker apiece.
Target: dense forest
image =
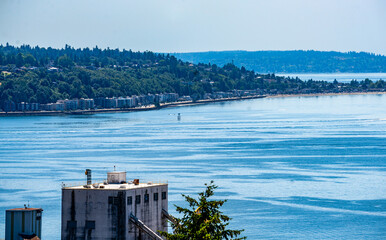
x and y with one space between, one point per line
43 75
293 61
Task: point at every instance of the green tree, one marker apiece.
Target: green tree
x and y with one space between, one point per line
202 220
19 60
65 61
29 59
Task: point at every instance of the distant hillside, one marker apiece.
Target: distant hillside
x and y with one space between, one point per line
292 61
45 75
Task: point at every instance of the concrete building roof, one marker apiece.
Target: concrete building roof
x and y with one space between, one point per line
25 209
122 186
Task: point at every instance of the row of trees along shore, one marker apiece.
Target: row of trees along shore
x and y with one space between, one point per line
44 75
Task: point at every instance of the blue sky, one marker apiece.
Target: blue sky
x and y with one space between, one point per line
197 25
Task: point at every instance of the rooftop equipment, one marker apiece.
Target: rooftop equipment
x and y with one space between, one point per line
136 181
88 173
116 177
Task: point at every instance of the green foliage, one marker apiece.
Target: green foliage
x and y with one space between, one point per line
202 220
92 73
65 61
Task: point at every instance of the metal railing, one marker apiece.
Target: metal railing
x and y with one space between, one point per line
100 181
144 228
79 183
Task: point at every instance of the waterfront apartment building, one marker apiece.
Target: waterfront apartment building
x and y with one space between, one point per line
120 102
52 106
86 103
70 104
24 106
114 209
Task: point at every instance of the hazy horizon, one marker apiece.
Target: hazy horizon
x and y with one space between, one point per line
179 26
272 50
236 50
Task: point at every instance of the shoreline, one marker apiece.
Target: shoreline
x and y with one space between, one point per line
121 110
174 104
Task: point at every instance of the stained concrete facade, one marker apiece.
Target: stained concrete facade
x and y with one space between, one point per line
102 211
21 222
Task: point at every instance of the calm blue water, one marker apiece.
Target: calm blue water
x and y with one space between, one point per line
292 168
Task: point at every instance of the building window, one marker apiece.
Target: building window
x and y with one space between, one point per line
71 224
146 198
156 196
163 195
113 200
90 224
138 199
129 200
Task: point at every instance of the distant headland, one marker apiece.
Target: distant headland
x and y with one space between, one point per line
75 81
292 61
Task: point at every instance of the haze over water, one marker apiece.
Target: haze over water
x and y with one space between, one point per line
292 168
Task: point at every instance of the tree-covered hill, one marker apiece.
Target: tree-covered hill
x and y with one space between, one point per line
292 61
44 75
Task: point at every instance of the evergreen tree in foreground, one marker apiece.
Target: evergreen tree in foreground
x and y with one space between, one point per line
202 220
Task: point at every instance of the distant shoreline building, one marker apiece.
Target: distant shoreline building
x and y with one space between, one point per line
114 209
73 105
23 223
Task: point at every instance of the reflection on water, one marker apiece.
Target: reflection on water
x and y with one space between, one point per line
292 168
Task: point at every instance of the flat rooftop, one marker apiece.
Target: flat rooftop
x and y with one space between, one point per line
25 209
114 186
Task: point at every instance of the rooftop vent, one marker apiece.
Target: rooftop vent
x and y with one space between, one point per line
116 177
136 181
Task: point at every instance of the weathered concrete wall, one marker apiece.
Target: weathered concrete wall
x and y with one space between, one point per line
20 221
149 212
109 210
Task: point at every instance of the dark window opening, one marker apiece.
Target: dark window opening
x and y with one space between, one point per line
129 200
146 198
113 200
71 224
156 196
138 199
89 231
163 195
90 224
